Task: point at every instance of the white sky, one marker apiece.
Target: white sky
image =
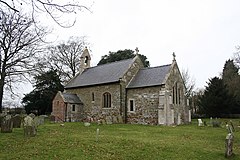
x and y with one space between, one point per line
202 33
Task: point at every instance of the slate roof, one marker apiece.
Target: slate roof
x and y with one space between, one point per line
71 98
106 73
150 76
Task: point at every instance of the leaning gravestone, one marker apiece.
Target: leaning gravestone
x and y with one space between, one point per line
17 121
229 141
29 127
6 124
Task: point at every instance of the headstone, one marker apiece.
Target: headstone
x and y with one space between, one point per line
211 121
229 145
200 122
29 127
41 119
17 121
97 134
36 121
229 140
6 124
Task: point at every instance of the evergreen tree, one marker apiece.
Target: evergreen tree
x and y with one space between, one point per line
231 79
121 55
216 99
40 99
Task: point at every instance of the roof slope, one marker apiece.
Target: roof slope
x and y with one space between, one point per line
71 98
101 74
150 76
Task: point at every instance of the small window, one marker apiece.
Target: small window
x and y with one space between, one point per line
73 107
106 100
131 105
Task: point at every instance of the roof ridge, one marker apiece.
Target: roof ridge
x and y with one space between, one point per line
156 66
113 62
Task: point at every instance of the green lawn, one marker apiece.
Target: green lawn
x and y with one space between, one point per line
118 141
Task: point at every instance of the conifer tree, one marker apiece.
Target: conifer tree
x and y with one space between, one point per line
216 100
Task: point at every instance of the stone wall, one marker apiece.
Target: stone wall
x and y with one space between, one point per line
92 98
127 77
58 108
146 105
181 114
76 115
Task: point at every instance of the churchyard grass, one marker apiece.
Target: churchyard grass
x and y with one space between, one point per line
119 141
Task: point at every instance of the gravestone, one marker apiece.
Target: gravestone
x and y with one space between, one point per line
229 145
42 119
29 127
6 124
17 121
200 122
229 140
36 121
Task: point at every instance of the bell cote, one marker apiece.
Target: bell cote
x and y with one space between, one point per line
85 60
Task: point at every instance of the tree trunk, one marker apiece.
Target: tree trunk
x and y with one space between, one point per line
1 92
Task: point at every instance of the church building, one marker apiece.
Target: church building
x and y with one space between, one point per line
124 92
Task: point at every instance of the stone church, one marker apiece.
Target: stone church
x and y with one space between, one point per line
124 92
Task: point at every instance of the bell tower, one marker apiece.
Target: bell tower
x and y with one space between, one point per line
85 60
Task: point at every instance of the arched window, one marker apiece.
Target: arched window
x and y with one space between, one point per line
106 100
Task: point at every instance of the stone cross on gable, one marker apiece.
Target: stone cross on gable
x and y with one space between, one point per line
136 50
174 56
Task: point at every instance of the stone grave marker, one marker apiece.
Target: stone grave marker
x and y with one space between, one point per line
6 124
42 119
17 121
29 127
36 121
200 122
229 140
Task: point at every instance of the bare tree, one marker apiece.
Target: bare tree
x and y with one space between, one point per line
237 56
51 7
189 82
19 44
65 57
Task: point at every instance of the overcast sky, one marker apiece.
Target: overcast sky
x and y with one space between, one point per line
202 33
